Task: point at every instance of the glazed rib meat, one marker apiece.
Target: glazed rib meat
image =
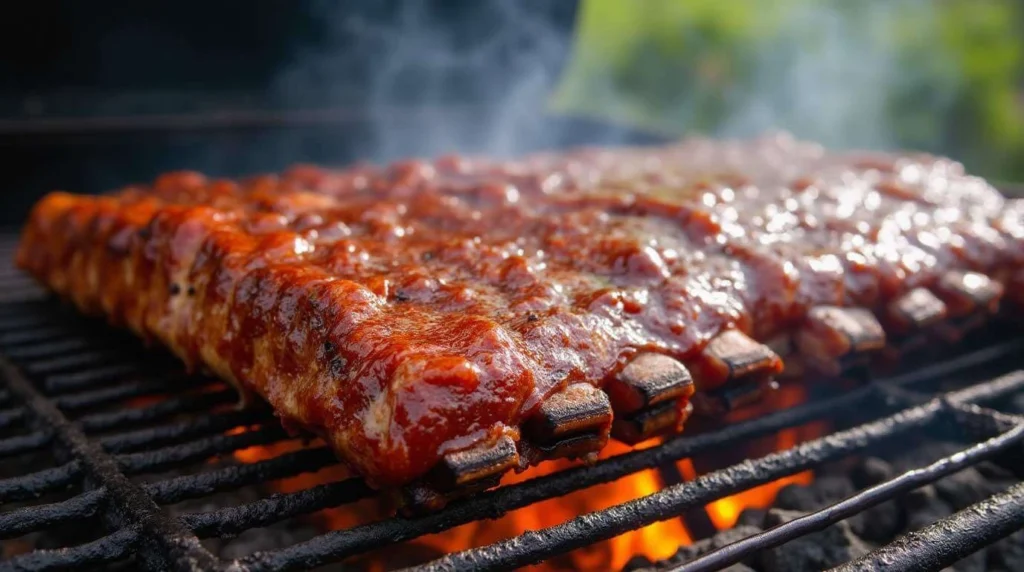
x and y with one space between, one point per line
441 322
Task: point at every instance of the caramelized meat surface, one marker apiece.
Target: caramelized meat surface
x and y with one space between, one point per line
413 311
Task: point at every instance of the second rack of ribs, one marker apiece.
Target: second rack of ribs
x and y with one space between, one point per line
439 323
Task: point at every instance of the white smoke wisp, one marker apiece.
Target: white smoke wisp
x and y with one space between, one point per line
837 82
474 82
479 79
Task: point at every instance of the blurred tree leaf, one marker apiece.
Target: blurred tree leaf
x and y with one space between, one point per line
943 76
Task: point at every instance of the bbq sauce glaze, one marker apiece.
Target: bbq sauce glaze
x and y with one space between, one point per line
405 311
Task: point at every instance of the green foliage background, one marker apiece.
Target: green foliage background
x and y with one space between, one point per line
945 76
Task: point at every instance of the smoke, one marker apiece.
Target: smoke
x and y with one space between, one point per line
840 74
479 76
436 77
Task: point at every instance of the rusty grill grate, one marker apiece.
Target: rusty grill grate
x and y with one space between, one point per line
108 418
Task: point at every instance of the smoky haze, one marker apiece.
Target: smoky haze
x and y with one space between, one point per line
834 73
478 77
435 77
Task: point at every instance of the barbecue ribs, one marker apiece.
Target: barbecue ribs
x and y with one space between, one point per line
439 323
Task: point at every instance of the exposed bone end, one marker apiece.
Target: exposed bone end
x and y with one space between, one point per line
968 293
651 397
572 423
648 380
913 312
460 474
733 371
1015 288
724 400
782 345
660 419
833 339
461 469
733 356
797 368
419 499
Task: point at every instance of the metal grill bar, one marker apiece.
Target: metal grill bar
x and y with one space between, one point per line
192 486
492 504
231 521
32 336
35 484
103 551
166 408
860 502
972 528
23 443
174 456
68 361
601 525
128 499
112 394
73 381
11 417
32 518
176 432
186 441
538 545
45 351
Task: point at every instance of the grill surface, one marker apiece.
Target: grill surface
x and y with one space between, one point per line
108 418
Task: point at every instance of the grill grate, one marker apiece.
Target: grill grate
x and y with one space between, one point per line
111 417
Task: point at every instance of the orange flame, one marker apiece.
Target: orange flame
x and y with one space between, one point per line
726 511
656 541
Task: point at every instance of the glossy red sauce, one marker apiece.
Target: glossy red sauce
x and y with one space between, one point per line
408 310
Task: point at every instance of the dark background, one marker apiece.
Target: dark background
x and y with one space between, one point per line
94 95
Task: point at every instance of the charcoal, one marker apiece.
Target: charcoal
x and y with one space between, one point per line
923 507
917 457
880 523
871 472
976 562
830 547
738 568
727 537
638 562
824 491
259 539
967 487
752 517
1007 554
702 547
995 472
1017 404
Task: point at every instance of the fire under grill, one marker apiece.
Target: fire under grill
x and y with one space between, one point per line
102 443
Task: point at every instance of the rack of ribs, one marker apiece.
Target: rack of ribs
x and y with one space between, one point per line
440 323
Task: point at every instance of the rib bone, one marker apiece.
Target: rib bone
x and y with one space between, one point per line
656 420
832 339
732 356
465 468
460 474
648 380
916 310
571 423
723 400
968 293
651 396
